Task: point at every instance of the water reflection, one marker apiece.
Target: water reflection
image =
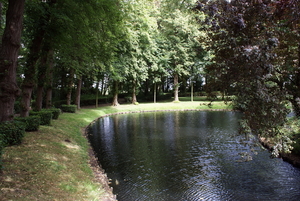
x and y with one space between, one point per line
187 156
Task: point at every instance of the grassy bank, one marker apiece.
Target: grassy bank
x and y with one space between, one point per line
54 163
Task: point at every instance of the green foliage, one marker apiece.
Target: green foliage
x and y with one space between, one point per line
292 130
32 123
1 150
55 112
128 99
85 101
11 133
17 107
69 108
296 146
45 115
246 40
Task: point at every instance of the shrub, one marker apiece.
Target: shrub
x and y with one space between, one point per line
128 99
1 150
32 123
296 146
11 133
45 116
17 107
69 108
55 112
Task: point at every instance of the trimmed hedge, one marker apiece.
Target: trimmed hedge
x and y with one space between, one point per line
55 112
32 123
46 116
69 108
1 151
11 133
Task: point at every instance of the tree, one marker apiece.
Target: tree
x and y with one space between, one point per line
77 33
250 47
181 33
136 52
8 58
287 63
37 23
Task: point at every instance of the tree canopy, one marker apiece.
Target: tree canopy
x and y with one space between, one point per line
142 49
254 60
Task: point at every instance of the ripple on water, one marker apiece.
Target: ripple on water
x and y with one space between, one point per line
174 158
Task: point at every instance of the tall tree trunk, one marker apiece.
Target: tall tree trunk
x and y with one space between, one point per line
8 58
30 71
106 86
30 67
97 97
184 86
102 86
39 98
69 86
146 88
155 90
192 90
97 92
1 7
42 71
134 100
115 93
78 92
49 79
176 87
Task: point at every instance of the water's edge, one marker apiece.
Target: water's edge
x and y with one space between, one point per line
103 179
99 173
291 158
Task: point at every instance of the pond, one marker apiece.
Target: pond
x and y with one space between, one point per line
185 156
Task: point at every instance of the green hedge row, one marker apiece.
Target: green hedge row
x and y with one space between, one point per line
11 133
32 123
45 115
69 108
55 112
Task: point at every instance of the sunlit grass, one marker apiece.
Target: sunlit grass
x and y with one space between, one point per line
52 164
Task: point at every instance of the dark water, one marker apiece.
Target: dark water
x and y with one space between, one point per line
188 156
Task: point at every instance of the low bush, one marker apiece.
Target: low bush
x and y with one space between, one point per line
32 123
92 101
128 99
69 108
17 107
55 112
45 115
11 133
296 147
1 150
